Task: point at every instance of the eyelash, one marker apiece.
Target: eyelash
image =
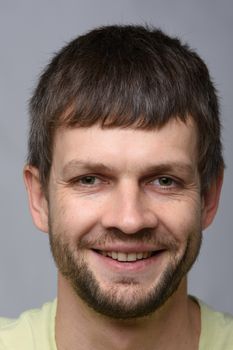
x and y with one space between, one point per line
175 187
100 180
78 180
172 182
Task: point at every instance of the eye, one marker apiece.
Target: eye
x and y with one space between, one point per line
88 180
164 182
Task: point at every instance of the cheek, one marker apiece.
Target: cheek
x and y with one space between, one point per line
74 215
181 218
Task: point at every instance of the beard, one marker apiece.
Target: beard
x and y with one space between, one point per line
126 298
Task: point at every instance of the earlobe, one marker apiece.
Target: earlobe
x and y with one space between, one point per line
210 200
37 201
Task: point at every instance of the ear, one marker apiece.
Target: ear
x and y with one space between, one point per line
210 200
38 203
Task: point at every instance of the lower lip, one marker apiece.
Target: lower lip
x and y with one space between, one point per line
134 266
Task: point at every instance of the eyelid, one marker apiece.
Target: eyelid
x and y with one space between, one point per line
80 177
175 182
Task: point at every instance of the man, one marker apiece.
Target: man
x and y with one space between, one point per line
124 172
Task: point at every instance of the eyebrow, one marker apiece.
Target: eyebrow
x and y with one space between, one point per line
92 166
83 165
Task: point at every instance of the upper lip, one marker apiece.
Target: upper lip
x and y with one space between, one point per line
128 248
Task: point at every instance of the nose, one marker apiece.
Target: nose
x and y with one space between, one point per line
128 210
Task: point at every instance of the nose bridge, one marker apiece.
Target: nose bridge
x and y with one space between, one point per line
129 211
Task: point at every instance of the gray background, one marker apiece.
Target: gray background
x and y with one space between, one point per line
30 32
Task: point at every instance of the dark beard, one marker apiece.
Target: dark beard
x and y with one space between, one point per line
87 288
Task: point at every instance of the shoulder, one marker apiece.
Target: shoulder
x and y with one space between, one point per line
216 329
33 330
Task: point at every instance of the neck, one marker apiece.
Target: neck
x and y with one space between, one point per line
176 325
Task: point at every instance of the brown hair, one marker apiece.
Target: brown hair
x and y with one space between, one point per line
125 76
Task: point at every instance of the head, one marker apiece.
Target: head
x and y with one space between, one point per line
126 77
142 95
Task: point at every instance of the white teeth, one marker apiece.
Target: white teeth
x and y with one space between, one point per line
132 257
122 257
139 255
114 255
127 256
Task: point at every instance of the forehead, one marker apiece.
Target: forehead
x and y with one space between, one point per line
176 141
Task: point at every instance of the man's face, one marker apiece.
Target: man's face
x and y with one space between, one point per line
125 214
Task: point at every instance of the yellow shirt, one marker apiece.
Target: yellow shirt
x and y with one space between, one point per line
34 330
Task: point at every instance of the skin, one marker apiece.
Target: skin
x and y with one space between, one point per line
106 189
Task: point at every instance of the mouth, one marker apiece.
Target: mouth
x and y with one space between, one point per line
129 257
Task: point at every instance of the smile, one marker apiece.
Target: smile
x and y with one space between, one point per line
127 257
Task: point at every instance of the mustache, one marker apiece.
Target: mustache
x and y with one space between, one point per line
114 235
